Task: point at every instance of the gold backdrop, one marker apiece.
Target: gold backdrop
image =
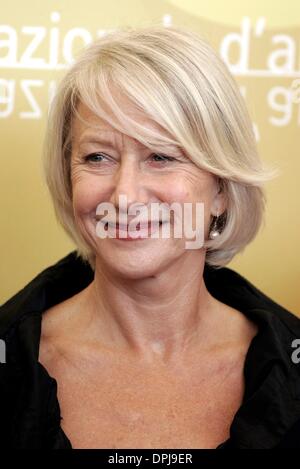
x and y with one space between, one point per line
259 41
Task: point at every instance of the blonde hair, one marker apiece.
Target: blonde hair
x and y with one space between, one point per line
178 80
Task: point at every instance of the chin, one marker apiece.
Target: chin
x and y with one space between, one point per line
133 264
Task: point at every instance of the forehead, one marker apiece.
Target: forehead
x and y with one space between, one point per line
89 120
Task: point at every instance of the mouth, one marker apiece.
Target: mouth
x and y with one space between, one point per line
140 231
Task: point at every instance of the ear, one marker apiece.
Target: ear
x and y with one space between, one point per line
219 203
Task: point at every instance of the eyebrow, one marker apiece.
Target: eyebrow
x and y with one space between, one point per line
94 139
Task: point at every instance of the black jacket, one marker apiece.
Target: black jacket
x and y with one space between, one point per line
269 416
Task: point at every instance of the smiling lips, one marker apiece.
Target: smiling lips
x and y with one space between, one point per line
144 230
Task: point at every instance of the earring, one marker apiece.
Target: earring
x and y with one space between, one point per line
214 232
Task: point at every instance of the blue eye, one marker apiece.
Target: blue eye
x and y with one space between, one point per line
99 157
94 157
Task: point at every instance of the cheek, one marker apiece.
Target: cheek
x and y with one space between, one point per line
189 188
177 190
193 189
87 194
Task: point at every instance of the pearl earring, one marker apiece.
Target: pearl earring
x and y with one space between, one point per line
214 233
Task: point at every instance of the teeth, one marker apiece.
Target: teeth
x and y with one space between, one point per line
108 225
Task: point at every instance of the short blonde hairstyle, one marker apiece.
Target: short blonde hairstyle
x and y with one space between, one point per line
179 81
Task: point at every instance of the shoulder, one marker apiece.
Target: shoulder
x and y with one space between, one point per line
21 318
231 288
53 285
27 392
60 327
278 338
272 365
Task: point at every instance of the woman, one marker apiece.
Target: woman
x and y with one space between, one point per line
134 340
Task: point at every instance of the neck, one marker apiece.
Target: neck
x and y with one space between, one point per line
159 317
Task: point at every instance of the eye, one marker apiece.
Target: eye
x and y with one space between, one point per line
158 157
95 157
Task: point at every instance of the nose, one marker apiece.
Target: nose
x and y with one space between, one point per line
128 182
